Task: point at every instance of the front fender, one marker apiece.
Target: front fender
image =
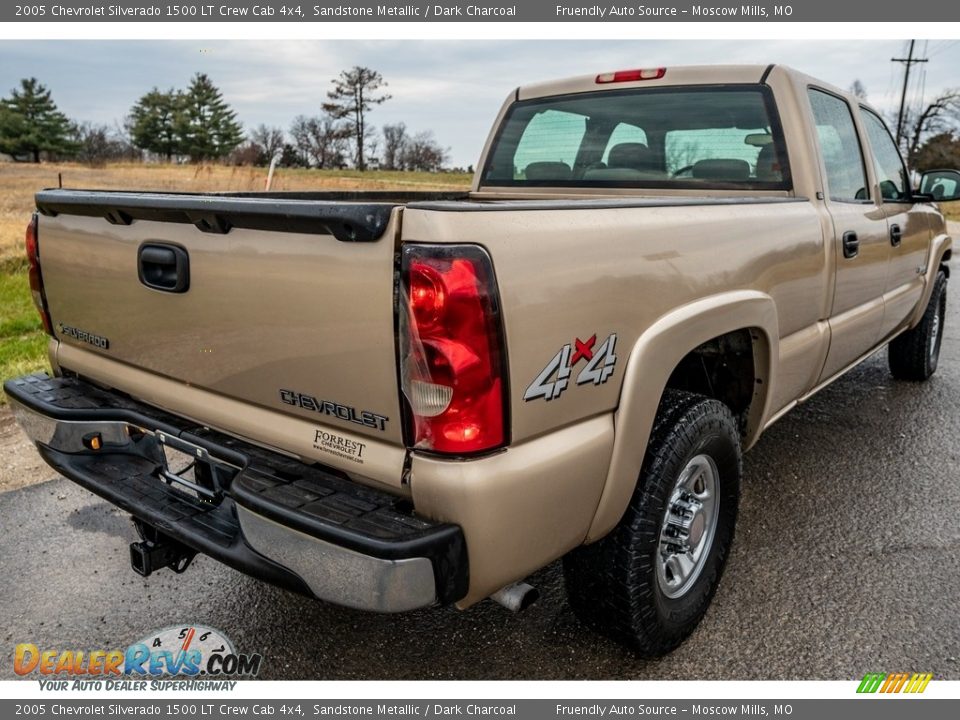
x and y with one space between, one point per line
651 362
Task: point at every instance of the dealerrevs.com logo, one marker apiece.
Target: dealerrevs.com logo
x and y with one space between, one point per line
190 651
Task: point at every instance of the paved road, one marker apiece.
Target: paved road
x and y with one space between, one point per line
846 561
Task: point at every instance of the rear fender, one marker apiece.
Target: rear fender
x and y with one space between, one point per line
651 362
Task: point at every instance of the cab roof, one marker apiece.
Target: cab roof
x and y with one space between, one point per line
670 76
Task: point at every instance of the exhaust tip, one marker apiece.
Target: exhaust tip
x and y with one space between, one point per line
516 597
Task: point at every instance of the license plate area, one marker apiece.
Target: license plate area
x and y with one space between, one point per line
190 469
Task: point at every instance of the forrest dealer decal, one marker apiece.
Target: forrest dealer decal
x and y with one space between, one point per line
338 445
555 377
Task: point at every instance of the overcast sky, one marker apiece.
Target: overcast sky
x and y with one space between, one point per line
452 88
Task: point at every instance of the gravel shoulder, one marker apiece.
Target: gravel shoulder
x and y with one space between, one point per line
21 465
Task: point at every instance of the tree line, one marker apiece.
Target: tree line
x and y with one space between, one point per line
197 124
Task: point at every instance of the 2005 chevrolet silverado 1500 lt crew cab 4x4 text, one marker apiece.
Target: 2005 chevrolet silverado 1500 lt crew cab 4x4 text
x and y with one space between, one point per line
394 401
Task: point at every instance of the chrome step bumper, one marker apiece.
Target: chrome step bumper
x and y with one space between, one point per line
304 527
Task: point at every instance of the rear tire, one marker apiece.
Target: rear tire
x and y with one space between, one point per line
647 584
914 354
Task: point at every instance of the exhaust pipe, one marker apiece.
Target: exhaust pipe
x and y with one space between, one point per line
517 596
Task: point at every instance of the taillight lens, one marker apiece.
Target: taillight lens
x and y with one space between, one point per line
36 280
451 350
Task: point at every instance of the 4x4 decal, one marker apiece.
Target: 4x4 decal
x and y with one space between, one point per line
600 366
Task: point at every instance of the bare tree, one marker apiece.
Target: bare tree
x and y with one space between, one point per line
300 132
424 153
328 142
352 97
858 89
98 144
942 114
321 142
269 141
394 144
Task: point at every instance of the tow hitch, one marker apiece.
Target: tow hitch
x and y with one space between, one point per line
157 551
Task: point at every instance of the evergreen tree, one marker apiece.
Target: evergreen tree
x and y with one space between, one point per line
153 123
30 123
352 98
206 125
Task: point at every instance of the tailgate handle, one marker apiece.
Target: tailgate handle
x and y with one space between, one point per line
162 266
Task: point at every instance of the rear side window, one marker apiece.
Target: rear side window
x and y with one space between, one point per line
891 172
842 155
700 137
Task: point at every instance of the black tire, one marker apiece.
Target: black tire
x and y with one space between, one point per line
914 355
613 584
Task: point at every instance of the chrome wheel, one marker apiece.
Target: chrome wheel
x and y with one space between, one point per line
934 334
688 526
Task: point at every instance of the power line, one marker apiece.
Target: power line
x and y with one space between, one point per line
907 62
944 45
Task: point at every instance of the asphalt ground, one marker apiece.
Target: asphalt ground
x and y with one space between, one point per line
845 561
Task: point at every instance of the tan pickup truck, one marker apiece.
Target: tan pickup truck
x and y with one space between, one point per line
393 401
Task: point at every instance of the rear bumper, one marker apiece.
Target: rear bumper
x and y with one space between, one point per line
299 526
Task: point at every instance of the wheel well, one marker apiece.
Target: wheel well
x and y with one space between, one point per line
722 368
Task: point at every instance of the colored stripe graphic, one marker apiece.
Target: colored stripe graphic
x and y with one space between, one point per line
870 683
889 683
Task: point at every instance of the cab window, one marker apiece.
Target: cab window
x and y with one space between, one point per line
840 146
891 172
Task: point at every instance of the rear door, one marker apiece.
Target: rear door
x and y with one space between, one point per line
861 245
907 229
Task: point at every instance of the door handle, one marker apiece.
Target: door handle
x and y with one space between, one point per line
165 267
851 244
896 235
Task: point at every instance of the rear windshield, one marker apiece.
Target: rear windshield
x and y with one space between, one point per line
718 137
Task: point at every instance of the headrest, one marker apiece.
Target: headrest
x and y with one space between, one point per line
631 155
548 170
721 169
768 164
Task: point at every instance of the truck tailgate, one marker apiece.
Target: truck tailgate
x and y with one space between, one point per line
297 319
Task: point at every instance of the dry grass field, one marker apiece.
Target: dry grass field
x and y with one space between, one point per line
22 342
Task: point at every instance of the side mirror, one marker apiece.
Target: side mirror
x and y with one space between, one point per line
940 185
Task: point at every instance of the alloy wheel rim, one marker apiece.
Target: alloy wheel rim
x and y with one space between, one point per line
688 526
934 334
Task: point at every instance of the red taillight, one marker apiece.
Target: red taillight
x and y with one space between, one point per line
631 75
451 350
36 280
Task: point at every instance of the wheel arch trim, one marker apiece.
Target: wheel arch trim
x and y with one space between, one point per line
651 361
940 249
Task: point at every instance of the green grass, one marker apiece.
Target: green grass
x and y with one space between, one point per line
23 344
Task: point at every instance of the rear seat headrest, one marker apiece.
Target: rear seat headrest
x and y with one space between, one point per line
636 156
721 169
548 170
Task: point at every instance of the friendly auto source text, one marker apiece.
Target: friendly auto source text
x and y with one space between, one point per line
620 11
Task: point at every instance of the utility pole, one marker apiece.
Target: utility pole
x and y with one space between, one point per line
907 61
